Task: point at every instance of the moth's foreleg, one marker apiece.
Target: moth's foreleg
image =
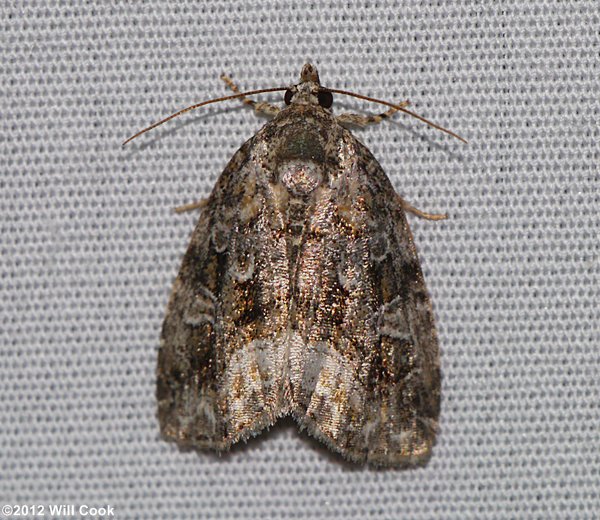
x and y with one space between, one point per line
369 119
261 107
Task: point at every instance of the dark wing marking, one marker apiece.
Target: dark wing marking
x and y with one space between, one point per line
365 371
221 364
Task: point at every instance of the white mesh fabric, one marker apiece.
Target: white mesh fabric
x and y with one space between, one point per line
90 246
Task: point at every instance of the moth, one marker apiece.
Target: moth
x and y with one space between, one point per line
301 294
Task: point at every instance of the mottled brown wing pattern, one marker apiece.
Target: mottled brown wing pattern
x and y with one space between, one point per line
366 377
222 357
301 293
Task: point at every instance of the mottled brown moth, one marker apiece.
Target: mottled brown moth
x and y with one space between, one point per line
301 294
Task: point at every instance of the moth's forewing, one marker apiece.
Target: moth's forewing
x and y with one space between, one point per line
301 292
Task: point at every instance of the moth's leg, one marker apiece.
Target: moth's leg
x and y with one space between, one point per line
371 119
261 107
429 216
199 204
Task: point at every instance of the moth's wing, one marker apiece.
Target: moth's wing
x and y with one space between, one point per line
365 372
221 360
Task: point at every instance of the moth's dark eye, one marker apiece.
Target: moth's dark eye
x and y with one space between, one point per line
288 97
325 98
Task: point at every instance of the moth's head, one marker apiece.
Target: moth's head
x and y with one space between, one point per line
309 91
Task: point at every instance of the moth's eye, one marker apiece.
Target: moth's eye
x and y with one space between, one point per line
325 98
288 97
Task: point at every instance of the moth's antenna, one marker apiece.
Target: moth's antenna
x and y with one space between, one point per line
198 105
397 107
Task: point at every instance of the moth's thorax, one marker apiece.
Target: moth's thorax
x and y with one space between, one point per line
300 177
303 145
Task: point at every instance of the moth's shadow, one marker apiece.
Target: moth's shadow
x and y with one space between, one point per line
133 149
448 148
